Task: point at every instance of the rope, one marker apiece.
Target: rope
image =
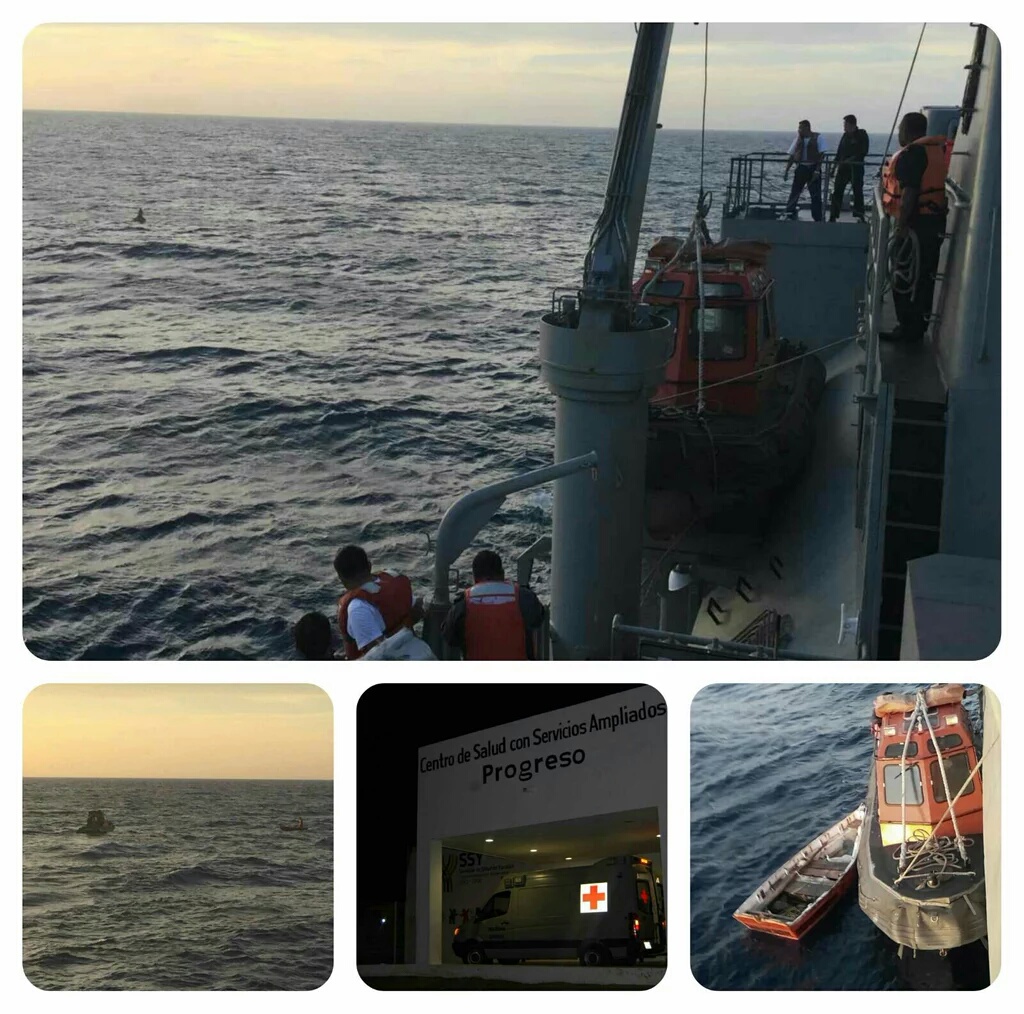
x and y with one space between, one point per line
903 263
902 779
945 782
698 239
899 108
754 373
703 110
949 809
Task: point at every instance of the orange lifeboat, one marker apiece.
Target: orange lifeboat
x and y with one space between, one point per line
723 465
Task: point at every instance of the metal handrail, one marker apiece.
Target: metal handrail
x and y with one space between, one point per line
711 645
744 181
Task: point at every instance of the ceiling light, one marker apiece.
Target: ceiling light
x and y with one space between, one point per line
533 850
656 836
491 839
567 858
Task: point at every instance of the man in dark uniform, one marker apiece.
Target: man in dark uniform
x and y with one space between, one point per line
853 146
914 195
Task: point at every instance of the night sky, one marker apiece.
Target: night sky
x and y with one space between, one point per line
394 720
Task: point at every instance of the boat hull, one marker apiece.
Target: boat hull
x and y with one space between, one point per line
929 920
725 472
826 867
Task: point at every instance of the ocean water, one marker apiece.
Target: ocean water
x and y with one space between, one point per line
324 333
195 888
771 767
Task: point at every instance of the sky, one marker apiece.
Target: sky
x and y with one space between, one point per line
179 730
760 76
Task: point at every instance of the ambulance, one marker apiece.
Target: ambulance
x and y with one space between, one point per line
612 911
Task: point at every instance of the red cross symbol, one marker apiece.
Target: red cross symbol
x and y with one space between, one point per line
643 895
593 896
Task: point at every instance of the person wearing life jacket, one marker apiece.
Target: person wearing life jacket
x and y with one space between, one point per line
495 619
374 606
806 152
914 196
850 153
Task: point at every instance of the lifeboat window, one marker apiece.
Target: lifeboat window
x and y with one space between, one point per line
894 785
933 719
896 750
669 312
957 771
722 289
663 288
946 742
725 332
496 905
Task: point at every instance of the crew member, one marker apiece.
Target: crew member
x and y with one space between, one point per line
374 606
853 147
495 619
914 196
806 152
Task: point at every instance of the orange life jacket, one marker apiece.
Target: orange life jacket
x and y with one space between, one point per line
494 623
932 197
394 600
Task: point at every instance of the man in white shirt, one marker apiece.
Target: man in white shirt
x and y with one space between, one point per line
806 152
374 606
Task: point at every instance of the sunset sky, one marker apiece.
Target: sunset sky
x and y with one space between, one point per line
179 730
760 76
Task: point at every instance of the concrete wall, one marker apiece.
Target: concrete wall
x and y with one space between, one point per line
611 769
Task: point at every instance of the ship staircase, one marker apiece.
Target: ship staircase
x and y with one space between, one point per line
903 416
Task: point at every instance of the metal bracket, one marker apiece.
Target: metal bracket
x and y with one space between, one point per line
713 606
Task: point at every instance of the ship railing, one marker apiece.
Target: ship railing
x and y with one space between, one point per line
464 519
655 643
867 339
757 189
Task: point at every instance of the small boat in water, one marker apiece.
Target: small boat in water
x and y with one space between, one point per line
96 823
796 896
922 868
297 826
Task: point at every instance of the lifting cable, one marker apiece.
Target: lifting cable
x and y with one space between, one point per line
920 851
903 253
899 108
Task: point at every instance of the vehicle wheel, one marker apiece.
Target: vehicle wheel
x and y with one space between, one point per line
474 955
594 955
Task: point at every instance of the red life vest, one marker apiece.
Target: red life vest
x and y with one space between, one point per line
394 600
932 197
494 623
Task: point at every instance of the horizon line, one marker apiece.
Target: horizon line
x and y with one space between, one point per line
164 778
409 123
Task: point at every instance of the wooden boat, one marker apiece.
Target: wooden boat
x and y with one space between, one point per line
292 827
794 898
